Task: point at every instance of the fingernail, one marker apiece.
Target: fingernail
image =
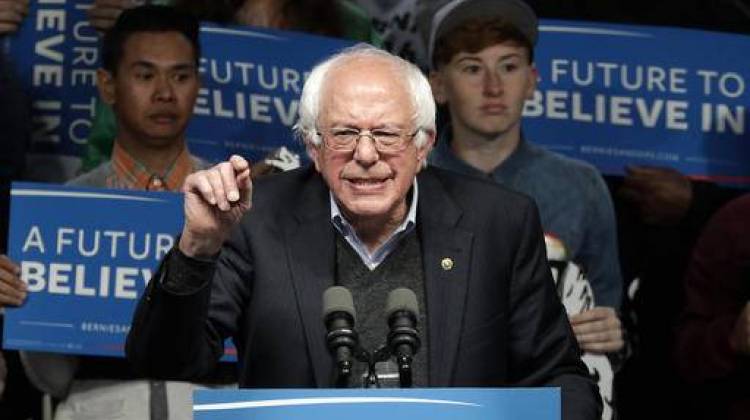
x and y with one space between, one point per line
233 196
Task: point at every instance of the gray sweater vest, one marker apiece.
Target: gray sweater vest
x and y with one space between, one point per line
402 268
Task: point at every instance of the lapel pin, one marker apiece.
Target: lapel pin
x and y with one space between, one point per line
446 264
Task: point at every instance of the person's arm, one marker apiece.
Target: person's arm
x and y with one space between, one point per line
599 329
710 330
174 333
599 253
543 350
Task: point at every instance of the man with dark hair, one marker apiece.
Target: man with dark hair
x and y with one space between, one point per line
481 53
150 78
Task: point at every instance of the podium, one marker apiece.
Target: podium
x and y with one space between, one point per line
380 404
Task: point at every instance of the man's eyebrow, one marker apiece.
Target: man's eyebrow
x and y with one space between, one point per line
143 63
501 58
152 65
183 66
511 55
468 58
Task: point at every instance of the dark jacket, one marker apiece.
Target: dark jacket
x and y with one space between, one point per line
494 316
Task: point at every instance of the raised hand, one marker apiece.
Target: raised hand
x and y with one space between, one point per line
215 200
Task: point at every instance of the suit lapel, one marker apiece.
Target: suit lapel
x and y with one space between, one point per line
446 255
311 255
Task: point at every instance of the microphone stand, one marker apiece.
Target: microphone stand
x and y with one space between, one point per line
380 355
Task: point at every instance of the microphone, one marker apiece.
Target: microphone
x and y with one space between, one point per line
402 313
339 318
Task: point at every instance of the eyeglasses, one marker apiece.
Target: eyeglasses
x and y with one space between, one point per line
385 140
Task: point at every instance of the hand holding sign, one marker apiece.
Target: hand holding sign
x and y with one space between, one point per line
104 13
12 288
11 14
215 200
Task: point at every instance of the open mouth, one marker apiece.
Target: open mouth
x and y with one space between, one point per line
366 183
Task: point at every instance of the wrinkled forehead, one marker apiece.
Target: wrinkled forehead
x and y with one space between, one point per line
366 81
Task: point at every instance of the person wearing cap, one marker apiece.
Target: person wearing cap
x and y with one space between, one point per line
481 56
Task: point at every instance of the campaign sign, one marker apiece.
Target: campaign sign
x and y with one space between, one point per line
378 404
55 54
86 255
251 82
618 95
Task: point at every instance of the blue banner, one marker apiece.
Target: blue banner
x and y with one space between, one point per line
372 404
86 255
613 95
617 95
55 54
252 79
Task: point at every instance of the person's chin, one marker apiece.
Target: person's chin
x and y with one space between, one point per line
161 138
491 129
367 206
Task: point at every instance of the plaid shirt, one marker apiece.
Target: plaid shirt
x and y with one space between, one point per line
127 173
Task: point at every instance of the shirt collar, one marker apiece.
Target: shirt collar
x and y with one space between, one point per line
131 174
444 157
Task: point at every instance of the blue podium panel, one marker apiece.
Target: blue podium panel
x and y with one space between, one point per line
366 404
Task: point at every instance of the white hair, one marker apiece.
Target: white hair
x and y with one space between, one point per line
419 91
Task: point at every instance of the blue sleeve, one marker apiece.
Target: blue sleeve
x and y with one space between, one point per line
599 250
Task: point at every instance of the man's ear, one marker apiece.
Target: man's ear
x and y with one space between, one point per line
314 152
438 86
105 83
424 151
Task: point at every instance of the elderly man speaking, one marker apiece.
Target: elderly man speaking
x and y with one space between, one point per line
253 261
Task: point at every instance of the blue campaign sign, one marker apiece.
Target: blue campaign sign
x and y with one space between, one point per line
617 95
252 79
613 95
86 255
55 54
377 404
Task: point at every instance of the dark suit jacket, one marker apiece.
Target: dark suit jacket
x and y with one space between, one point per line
494 318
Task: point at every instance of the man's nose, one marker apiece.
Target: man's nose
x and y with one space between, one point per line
365 152
492 84
164 90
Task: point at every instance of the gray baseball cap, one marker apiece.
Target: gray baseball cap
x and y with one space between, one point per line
447 15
